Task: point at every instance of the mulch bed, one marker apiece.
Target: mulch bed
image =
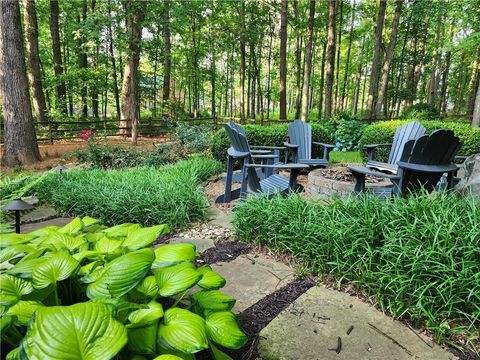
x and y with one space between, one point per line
225 251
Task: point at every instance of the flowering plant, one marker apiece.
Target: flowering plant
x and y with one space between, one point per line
85 134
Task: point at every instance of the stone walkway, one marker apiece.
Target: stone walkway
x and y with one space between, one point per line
310 328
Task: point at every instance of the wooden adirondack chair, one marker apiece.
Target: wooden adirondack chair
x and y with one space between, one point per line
422 164
403 134
268 155
300 145
251 182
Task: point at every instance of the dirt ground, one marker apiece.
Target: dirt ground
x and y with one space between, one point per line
55 154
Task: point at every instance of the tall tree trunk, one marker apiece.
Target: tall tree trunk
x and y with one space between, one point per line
82 60
443 92
283 61
167 57
388 58
269 77
298 60
472 85
130 106
322 81
347 62
114 66
95 56
358 77
435 79
61 103
377 52
332 13
33 60
339 47
20 146
213 78
308 61
476 110
242 61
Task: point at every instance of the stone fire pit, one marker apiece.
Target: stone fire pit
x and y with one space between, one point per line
338 182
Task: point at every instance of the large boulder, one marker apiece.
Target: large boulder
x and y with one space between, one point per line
470 175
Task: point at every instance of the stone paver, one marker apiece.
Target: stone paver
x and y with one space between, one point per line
312 324
219 217
201 244
34 226
250 278
39 213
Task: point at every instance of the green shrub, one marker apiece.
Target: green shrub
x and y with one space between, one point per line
272 135
100 292
418 256
383 132
194 138
348 134
170 194
421 111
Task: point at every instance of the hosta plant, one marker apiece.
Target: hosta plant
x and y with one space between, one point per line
85 291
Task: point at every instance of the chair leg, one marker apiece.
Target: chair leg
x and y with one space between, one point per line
228 182
292 181
359 182
243 187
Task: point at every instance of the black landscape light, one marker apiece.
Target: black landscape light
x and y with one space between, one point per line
60 168
18 205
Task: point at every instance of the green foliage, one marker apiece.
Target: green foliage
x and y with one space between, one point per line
272 135
170 194
421 111
418 256
383 132
62 289
194 138
106 156
348 134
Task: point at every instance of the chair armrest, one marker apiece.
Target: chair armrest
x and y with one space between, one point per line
448 168
255 151
366 171
269 147
328 146
373 146
265 156
291 146
279 166
237 154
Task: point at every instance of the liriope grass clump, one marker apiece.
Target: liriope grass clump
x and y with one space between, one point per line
419 256
170 194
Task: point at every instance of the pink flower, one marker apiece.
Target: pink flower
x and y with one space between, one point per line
85 134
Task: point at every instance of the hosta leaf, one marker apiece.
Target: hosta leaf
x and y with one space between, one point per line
148 286
169 254
223 329
13 288
214 300
107 246
175 279
58 267
69 242
210 279
144 317
89 254
167 357
45 230
25 267
119 230
88 268
122 274
164 349
6 322
218 354
13 355
183 330
14 239
93 238
85 331
93 276
142 340
144 237
73 227
89 221
15 251
24 310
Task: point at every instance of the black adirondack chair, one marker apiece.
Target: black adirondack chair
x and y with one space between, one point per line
421 166
300 144
403 134
251 181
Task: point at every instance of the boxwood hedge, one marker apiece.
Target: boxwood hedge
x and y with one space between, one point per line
383 132
273 135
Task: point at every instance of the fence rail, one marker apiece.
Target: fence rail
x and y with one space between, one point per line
147 127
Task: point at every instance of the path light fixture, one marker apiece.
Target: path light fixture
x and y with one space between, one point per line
60 168
18 205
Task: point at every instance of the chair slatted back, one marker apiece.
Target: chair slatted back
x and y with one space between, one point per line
403 134
439 148
300 133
